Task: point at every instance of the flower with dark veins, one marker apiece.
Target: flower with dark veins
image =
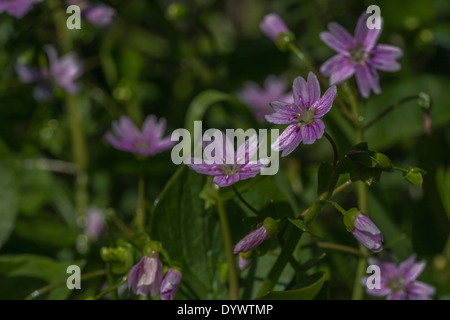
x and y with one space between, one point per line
304 116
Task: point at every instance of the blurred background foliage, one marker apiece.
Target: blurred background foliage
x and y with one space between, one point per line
155 60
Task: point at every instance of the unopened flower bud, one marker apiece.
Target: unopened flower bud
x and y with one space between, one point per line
258 236
364 230
276 30
170 284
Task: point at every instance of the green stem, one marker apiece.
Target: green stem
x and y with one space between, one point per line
286 253
358 289
39 292
335 149
336 206
112 282
112 289
233 274
140 211
246 203
79 148
341 188
392 108
338 247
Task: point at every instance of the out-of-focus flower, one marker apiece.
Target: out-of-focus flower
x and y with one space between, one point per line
399 283
65 70
170 284
146 142
95 223
61 72
359 55
259 99
304 116
272 26
17 8
241 168
367 233
99 15
146 276
256 237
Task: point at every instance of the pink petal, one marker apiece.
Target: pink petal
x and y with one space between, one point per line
313 131
324 104
365 36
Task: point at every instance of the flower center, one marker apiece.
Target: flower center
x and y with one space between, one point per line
397 284
307 117
359 54
230 169
141 145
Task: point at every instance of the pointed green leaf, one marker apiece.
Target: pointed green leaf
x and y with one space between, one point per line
307 292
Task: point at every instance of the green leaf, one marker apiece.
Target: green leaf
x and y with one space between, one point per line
16 272
307 292
200 105
302 226
367 175
9 196
414 176
190 234
383 162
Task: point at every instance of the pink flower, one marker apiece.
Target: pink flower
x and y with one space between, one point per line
399 282
146 142
62 72
241 167
359 55
99 15
17 8
304 116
